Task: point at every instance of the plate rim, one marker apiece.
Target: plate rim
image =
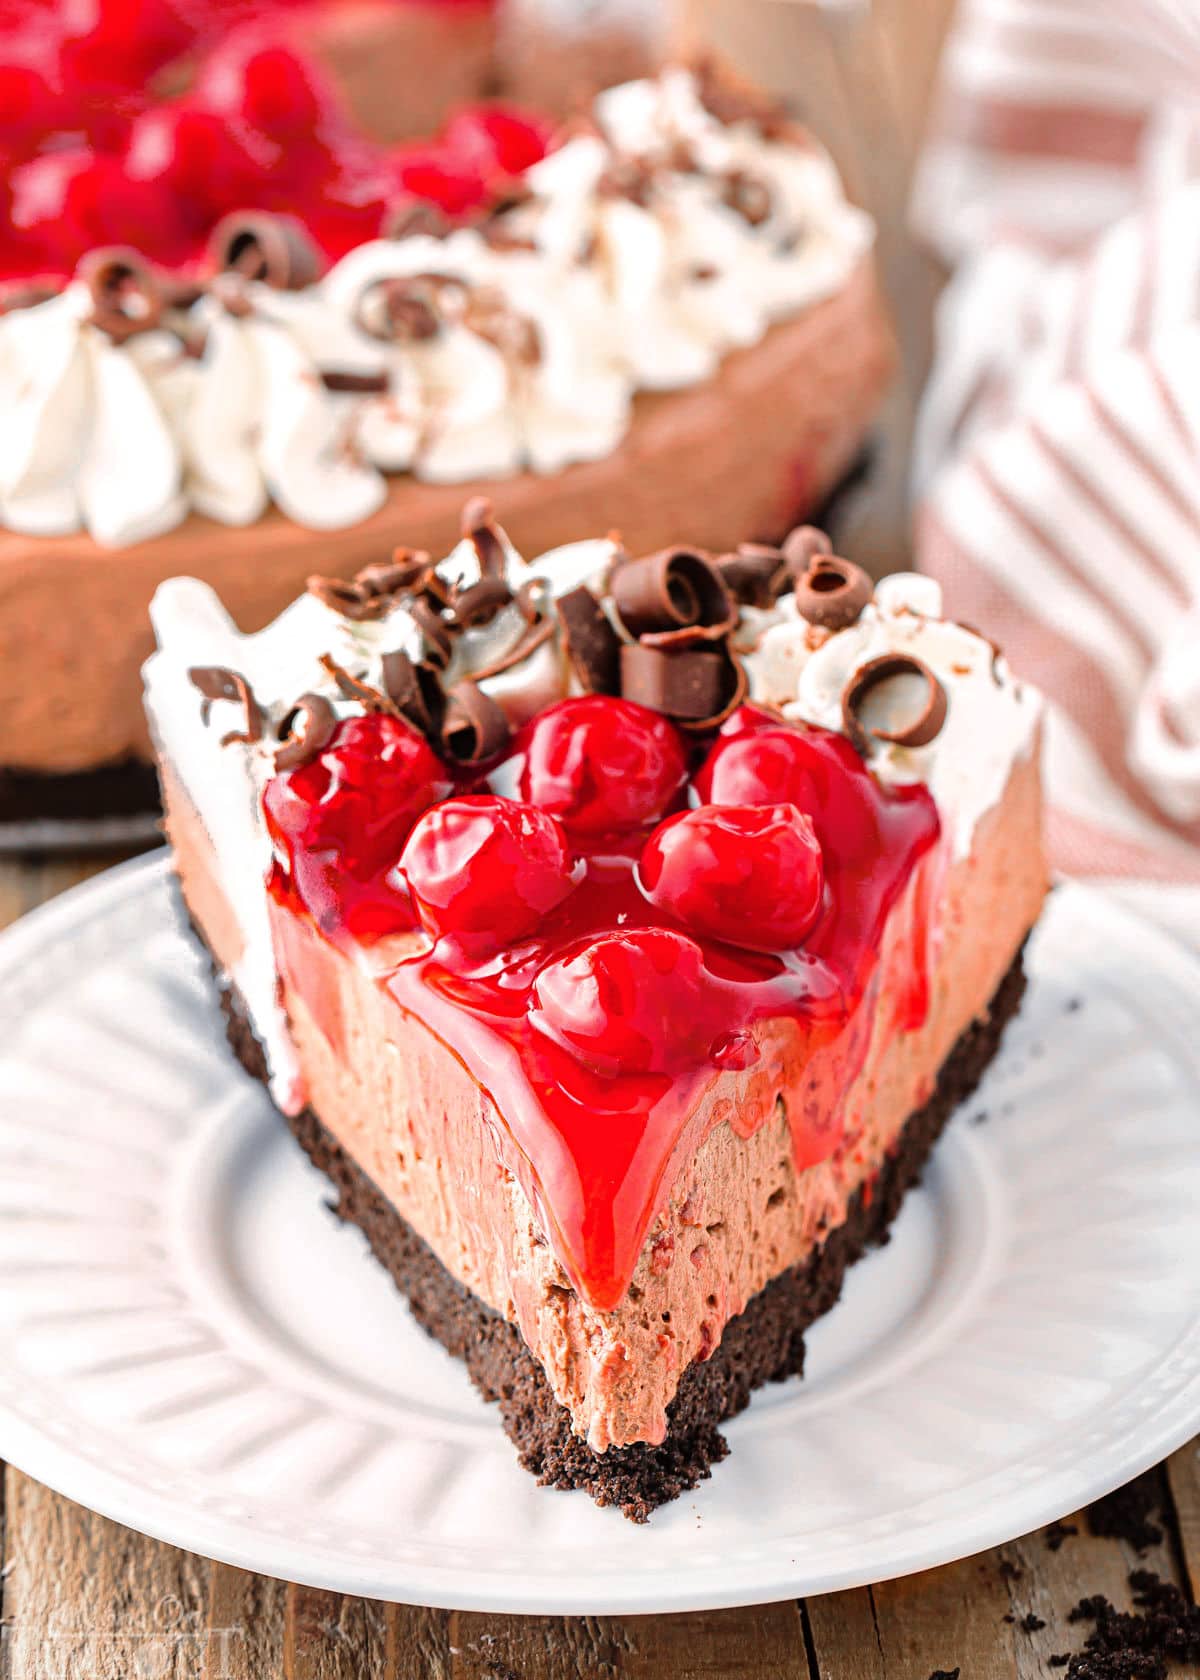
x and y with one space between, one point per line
235 1541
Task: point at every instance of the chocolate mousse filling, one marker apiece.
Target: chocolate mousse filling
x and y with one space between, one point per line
765 1343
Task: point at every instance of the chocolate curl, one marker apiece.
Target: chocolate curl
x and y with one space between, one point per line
480 602
402 311
260 246
479 527
415 690
418 216
474 728
748 195
216 682
756 576
593 646
670 589
308 728
435 632
802 545
697 686
354 688
126 297
916 724
832 592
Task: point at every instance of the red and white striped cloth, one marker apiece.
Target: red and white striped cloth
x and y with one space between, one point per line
1058 455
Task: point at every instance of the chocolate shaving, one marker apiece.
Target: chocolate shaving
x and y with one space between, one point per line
217 682
260 246
419 216
832 592
532 599
355 384
730 102
748 195
592 645
435 632
474 728
415 690
372 592
698 687
490 315
308 727
354 688
480 602
664 591
924 720
126 297
479 527
756 576
530 639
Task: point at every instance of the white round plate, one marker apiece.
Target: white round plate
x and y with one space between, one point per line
190 1344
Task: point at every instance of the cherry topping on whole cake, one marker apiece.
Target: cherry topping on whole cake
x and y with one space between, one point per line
342 821
482 867
750 875
604 1002
602 765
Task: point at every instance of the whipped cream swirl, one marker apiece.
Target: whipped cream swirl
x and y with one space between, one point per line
639 254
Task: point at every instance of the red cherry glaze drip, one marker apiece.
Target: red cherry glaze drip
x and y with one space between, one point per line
615 1034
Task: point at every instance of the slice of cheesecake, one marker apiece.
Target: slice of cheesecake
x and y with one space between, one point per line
618 934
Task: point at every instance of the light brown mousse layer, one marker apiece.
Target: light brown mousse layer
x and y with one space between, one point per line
747 453
738 1212
400 65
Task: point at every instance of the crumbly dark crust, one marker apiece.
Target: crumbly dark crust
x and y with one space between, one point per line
128 788
765 1343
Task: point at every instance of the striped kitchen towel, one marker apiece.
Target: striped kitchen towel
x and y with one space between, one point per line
1058 454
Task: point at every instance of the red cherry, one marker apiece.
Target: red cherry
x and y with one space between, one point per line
30 108
496 140
604 1003
72 201
201 156
481 865
120 41
341 820
748 875
267 84
602 765
767 767
433 173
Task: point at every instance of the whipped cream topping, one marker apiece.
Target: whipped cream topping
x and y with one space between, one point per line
639 255
991 718
990 725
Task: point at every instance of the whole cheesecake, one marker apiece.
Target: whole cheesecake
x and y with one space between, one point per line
671 319
618 934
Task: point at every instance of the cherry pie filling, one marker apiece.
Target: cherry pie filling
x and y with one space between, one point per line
634 946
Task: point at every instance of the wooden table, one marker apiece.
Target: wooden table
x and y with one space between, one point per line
83 1599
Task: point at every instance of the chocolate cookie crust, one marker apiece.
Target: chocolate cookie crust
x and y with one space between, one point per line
125 789
765 1343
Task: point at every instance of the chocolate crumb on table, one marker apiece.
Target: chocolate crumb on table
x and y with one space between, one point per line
1126 1513
1162 1630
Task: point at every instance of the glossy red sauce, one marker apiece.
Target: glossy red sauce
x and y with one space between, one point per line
609 1034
